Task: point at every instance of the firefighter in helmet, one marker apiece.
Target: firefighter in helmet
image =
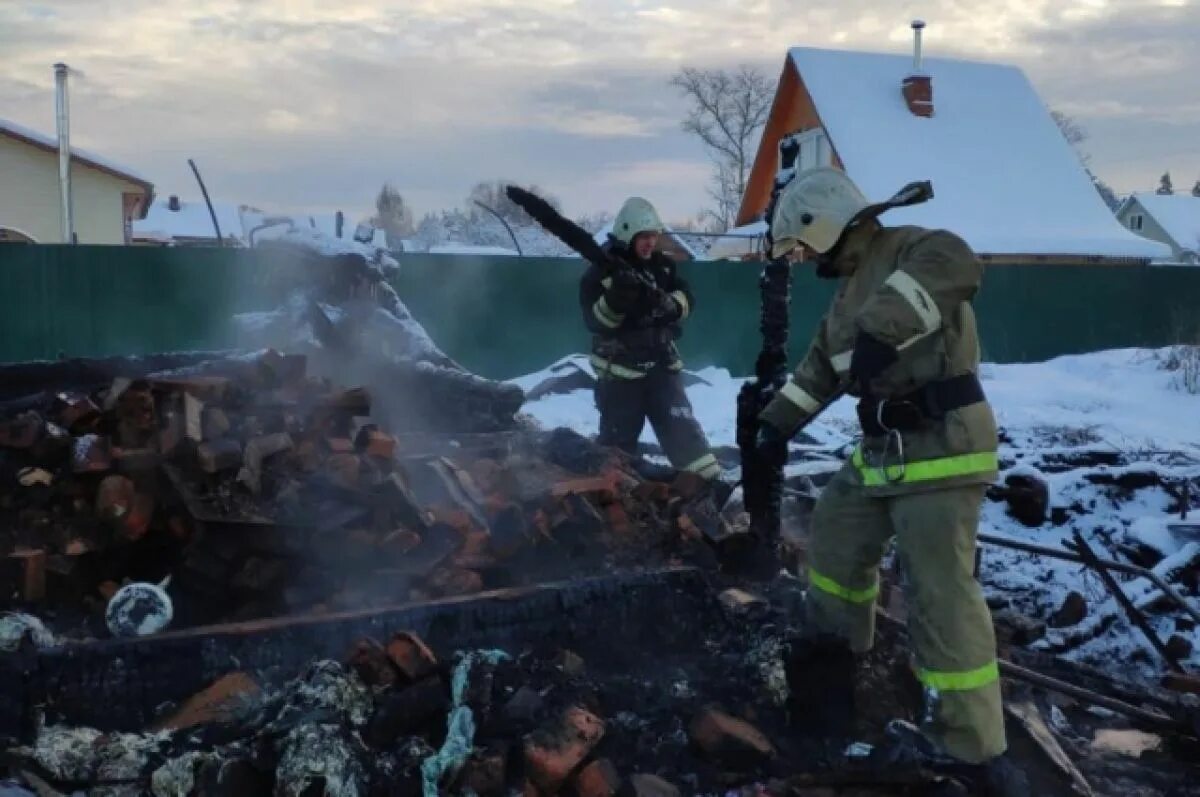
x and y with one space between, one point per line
635 314
901 336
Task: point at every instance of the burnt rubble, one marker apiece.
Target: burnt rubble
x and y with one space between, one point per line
262 492
573 689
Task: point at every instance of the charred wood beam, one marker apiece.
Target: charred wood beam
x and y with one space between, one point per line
1151 719
24 381
1136 617
1108 564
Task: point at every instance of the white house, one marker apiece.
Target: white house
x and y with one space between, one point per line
1173 219
105 196
1004 178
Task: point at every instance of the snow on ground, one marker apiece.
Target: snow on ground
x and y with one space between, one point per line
1080 423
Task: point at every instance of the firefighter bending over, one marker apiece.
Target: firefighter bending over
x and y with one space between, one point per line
901 334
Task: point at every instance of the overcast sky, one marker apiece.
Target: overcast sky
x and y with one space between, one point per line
311 104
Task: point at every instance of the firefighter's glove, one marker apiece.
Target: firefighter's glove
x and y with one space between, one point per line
665 308
871 358
771 445
625 293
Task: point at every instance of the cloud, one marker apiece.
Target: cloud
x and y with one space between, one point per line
306 103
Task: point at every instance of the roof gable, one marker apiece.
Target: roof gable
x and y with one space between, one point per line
1177 214
47 143
1004 178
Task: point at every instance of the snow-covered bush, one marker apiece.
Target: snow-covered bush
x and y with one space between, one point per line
1183 360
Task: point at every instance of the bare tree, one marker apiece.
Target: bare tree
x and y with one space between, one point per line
492 195
393 215
728 110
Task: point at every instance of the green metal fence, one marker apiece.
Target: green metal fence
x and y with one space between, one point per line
506 316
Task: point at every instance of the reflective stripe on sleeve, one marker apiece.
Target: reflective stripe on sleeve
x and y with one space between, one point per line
800 397
917 297
606 315
706 467
684 306
841 362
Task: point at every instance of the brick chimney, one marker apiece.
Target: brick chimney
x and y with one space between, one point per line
918 86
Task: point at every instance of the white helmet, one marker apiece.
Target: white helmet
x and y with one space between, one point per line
636 215
814 209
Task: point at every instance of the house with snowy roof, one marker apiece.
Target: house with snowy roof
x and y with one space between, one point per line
1172 219
1004 177
105 196
175 222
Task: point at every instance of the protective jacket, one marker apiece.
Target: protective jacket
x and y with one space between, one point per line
629 345
926 424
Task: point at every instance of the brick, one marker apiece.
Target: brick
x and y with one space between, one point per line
411 656
135 524
643 785
371 662
91 454
602 489
340 445
728 740
216 703
553 753
22 431
371 441
32 565
509 529
598 779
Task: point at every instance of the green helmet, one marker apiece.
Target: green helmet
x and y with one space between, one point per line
636 216
814 209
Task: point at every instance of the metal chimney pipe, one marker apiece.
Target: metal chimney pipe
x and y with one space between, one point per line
63 115
917 26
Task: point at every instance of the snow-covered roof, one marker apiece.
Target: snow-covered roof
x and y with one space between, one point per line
737 242
601 237
1177 214
1003 176
192 220
44 141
